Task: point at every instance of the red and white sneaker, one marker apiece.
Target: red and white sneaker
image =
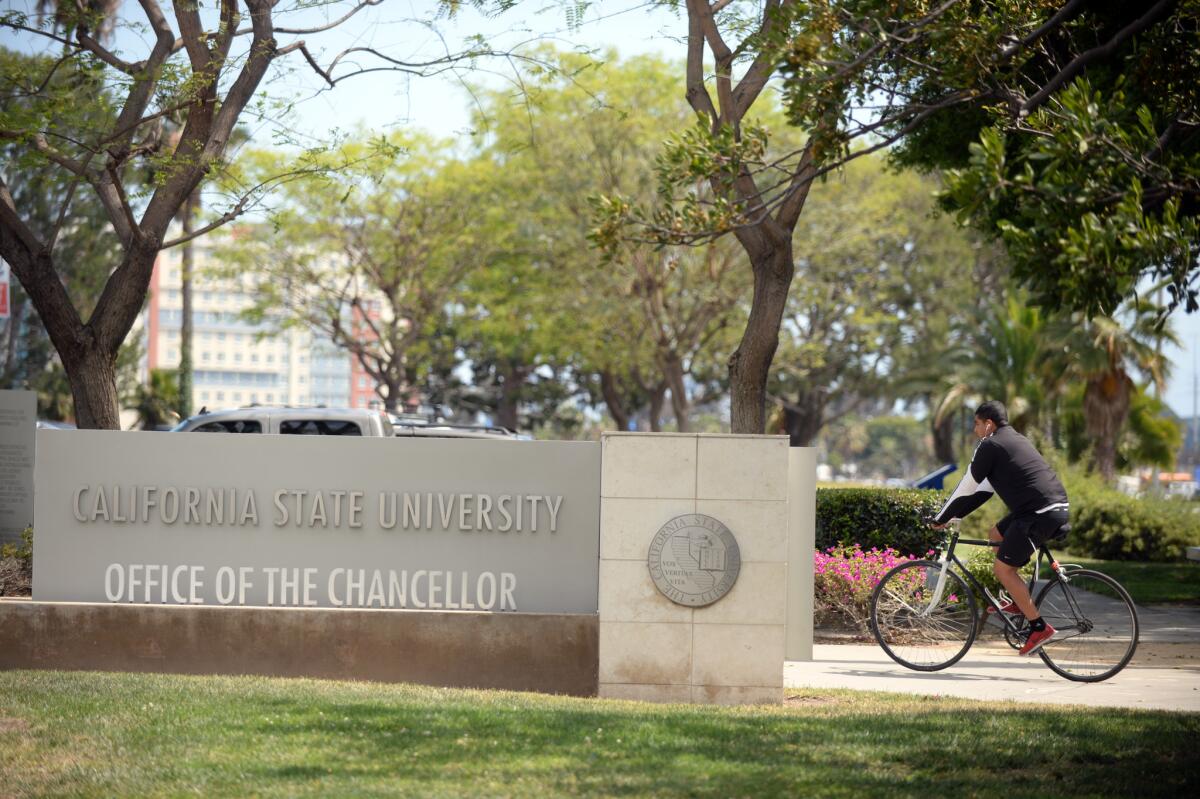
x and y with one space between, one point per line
1036 639
1007 606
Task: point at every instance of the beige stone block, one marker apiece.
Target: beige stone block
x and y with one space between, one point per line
628 525
628 594
760 526
734 655
736 695
646 654
652 466
742 467
758 597
675 694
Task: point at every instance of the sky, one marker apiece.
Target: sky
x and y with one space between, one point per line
441 104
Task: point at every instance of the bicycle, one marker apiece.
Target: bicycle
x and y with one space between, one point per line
925 617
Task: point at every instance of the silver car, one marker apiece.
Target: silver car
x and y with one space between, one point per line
291 421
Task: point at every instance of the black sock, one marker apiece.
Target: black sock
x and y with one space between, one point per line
1037 625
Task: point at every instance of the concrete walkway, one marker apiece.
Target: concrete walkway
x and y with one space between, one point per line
995 673
1164 674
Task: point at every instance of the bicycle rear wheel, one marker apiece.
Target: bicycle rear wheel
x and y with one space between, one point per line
915 631
1096 626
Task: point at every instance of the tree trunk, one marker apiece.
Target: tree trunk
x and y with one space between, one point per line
802 428
680 405
93 378
750 364
508 405
187 261
658 399
394 396
943 439
1105 407
612 398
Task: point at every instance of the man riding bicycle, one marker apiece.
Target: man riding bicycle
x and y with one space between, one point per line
1005 463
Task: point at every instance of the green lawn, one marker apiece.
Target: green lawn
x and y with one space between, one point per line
1148 583
88 734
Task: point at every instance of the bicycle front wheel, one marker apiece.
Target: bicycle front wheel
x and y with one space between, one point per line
917 626
1095 622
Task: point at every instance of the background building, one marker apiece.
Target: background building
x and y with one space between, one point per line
238 363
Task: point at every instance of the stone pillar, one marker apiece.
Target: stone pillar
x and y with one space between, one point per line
802 538
731 651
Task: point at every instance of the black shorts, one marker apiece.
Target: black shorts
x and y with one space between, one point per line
1024 533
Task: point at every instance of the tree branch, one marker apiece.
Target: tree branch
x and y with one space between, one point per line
1157 13
1061 16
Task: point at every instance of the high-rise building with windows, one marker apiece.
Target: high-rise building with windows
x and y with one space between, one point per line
236 362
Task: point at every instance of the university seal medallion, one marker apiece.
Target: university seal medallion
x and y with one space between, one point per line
694 560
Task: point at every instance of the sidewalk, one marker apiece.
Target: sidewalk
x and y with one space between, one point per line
1164 673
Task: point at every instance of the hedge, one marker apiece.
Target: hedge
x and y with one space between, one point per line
1123 528
1105 524
879 518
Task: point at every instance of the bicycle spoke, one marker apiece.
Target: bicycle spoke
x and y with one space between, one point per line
913 631
1096 623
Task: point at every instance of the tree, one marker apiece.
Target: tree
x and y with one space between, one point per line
1149 437
205 67
881 284
87 245
1103 352
718 168
374 256
158 403
1075 140
1009 354
637 329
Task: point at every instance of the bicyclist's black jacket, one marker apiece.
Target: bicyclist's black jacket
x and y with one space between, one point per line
1005 463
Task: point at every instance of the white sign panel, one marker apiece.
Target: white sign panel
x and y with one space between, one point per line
313 521
18 423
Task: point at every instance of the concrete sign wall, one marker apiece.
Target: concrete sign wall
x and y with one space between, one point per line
296 521
18 421
702 493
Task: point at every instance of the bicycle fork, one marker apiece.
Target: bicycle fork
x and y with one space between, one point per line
940 587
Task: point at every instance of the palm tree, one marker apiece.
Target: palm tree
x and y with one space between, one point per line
1103 352
157 403
1011 355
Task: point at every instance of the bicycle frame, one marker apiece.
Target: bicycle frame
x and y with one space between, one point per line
947 557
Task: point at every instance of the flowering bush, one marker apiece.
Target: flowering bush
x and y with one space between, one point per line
844 577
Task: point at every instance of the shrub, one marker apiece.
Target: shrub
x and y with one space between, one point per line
1117 527
843 579
878 518
16 566
980 562
22 551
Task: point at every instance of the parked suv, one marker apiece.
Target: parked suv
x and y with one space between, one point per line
291 421
408 427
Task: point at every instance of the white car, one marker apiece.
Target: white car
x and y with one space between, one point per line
290 421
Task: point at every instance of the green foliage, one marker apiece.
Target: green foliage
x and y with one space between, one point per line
1070 137
1117 527
881 447
627 330
86 246
1084 232
158 402
1006 354
877 278
1108 524
22 551
878 518
372 247
1149 438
